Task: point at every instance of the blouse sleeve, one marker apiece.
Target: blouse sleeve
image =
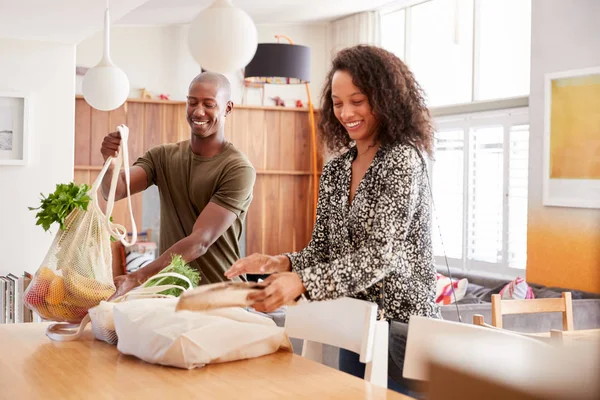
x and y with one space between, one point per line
392 214
317 251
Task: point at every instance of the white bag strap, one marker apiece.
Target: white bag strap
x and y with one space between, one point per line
171 274
117 230
64 332
155 291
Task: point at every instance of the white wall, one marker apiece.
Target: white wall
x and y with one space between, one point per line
157 58
45 71
563 243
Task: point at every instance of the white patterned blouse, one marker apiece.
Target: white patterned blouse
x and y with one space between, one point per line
378 248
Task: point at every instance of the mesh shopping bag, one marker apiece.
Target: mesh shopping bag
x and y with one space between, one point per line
101 316
76 273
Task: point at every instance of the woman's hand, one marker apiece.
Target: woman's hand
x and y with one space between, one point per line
281 289
259 264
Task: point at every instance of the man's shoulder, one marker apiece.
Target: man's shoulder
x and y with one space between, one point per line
169 149
235 158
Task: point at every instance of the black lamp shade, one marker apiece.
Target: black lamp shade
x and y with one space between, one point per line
278 63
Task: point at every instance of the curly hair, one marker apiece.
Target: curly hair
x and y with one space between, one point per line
395 97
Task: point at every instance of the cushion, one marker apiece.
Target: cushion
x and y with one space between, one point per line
444 289
517 289
139 255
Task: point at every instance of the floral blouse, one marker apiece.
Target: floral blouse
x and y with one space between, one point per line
379 246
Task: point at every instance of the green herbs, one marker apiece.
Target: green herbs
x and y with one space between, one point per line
58 205
180 267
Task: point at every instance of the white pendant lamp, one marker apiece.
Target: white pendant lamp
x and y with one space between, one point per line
222 38
105 87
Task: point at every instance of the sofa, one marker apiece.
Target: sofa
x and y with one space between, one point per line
481 286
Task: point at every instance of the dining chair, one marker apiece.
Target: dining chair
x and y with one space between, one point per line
424 333
346 323
500 307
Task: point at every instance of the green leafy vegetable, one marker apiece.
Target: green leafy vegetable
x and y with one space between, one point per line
58 205
178 266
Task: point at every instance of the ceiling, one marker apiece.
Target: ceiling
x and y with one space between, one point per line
167 12
71 21
62 21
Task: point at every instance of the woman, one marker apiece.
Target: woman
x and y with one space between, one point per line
372 237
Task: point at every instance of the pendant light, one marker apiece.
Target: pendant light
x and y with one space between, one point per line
222 38
105 87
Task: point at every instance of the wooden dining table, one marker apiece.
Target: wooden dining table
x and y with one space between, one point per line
34 367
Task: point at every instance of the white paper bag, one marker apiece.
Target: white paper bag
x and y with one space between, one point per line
153 331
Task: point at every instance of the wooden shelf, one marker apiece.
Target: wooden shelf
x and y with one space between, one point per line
238 106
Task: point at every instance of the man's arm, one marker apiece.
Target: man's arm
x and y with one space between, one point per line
212 222
138 182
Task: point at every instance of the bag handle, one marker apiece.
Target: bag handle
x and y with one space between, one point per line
170 274
65 332
122 160
154 291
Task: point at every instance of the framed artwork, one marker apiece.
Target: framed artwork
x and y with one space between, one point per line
572 139
13 129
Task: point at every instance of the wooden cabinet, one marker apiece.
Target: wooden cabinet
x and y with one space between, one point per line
277 141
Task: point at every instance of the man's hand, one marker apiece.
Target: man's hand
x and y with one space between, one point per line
110 145
125 283
281 289
259 264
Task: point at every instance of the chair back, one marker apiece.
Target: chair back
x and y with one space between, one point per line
346 323
563 305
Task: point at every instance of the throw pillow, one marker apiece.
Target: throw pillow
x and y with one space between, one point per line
444 286
517 289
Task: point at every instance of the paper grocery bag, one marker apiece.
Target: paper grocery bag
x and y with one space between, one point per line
153 331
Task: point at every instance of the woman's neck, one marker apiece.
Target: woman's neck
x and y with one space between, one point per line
366 149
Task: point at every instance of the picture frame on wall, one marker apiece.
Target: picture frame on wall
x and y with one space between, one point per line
14 135
572 138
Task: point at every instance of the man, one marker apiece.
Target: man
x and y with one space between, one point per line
205 187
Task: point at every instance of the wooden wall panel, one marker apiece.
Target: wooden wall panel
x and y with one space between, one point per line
99 129
254 219
287 144
152 127
136 125
254 139
82 176
83 127
276 141
183 128
271 214
302 143
286 214
272 140
302 223
117 117
240 129
229 126
169 123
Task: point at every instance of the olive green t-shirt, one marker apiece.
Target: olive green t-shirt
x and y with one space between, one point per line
187 183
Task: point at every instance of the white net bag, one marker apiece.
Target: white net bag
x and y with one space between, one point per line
76 273
101 316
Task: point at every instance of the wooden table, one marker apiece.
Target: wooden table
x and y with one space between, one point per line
34 367
575 337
